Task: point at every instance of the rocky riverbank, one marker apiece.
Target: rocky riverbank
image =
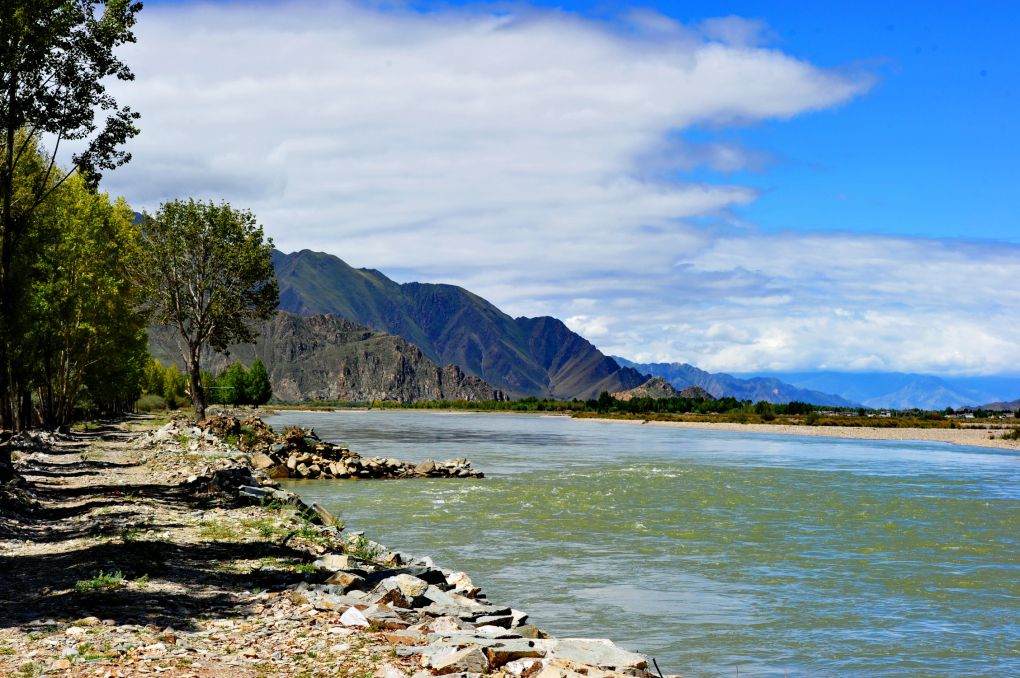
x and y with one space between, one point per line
133 554
299 453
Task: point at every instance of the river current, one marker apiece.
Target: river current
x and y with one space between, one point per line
718 553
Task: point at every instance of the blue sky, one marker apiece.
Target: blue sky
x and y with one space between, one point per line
746 186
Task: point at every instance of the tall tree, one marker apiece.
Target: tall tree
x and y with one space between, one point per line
234 385
260 390
56 57
87 337
210 270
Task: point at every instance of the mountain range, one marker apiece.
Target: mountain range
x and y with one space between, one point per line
340 325
906 390
770 389
538 357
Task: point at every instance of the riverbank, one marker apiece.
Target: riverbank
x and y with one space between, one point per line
124 558
974 437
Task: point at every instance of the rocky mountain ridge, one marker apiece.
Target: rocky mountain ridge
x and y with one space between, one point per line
522 356
658 388
329 358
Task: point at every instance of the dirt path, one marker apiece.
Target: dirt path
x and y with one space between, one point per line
116 569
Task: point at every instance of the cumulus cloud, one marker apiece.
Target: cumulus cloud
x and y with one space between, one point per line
532 157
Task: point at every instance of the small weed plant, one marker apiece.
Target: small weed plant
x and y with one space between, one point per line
101 581
361 547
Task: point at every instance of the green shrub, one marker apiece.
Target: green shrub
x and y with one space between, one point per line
150 403
100 581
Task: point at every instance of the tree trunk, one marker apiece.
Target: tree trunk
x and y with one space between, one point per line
195 375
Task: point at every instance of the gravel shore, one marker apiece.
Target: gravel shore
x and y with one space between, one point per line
975 437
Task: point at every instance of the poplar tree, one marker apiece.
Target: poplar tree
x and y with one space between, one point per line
56 57
209 271
260 390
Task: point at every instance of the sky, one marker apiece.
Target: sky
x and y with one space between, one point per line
745 186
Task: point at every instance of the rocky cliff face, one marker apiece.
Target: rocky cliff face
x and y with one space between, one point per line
328 358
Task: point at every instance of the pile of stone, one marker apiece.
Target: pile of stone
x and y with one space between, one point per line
300 453
441 619
297 453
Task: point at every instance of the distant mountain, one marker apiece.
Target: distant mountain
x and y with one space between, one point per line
329 358
520 356
1003 407
683 375
657 387
904 390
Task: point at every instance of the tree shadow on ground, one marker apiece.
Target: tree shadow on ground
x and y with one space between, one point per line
165 583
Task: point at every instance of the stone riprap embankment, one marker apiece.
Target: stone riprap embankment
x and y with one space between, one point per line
434 617
299 453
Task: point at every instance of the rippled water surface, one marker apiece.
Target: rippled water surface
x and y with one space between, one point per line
712 551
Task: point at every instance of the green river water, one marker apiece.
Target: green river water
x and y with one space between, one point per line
718 553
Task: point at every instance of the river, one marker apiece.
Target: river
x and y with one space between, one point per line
719 553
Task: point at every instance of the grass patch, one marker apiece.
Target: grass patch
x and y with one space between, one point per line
267 528
1013 434
6 650
101 581
217 531
29 670
304 568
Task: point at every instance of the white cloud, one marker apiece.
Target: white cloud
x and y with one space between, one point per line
522 156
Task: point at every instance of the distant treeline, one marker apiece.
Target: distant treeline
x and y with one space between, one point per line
604 404
730 408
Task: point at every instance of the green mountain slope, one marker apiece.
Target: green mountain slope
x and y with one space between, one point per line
521 356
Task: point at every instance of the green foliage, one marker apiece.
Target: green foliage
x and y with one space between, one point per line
233 385
85 343
238 386
260 390
209 270
361 547
160 384
56 60
100 581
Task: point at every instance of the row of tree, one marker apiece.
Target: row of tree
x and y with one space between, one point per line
167 387
80 277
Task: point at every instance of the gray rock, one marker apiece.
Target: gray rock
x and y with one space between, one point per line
347 581
383 617
470 659
503 620
411 586
354 617
597 652
426 467
331 601
508 650
522 668
334 562
260 461
255 492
